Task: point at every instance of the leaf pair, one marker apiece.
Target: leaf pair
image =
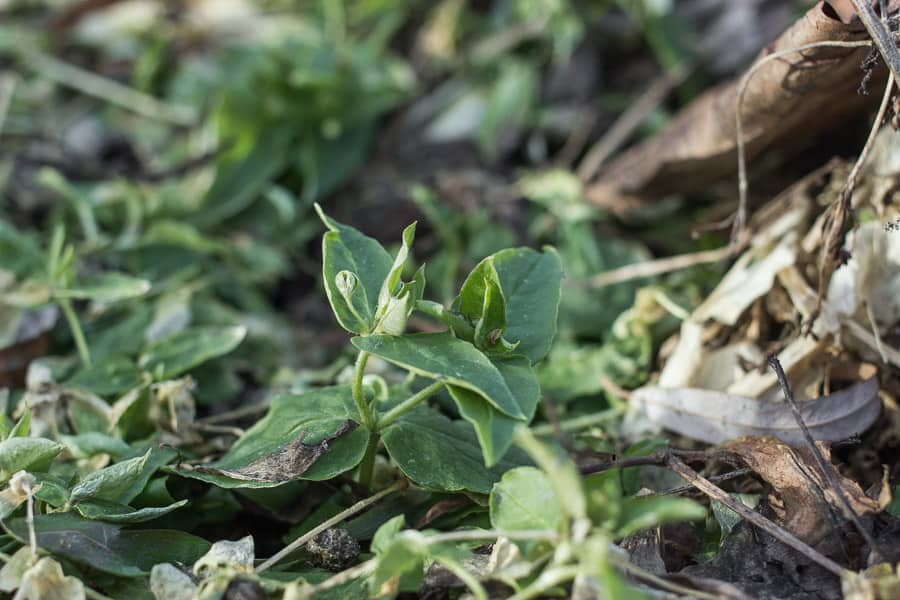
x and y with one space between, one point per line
363 282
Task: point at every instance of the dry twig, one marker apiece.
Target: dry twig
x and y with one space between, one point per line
824 467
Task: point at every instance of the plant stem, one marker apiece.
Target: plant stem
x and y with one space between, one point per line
547 580
449 318
367 466
465 576
341 516
75 327
108 90
408 404
365 412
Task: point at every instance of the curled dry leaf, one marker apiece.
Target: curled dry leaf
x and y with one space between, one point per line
788 101
798 486
715 417
285 464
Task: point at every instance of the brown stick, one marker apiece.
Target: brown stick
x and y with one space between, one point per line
717 493
826 468
882 37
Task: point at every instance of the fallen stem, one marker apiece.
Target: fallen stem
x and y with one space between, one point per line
578 423
341 516
825 468
650 578
111 91
779 533
345 576
661 266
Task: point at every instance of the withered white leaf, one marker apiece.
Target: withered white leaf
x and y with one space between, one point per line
714 417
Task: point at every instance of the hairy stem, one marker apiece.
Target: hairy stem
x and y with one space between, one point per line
408 404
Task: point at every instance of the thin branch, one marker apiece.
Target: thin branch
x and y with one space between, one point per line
826 468
661 266
341 578
714 478
341 516
650 578
779 533
881 35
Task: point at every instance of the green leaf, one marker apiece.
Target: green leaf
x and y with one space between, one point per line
649 511
445 358
114 375
531 287
389 286
315 415
108 547
114 512
186 349
121 482
481 301
26 454
727 518
22 426
494 429
510 103
89 444
241 179
106 287
524 499
400 557
346 249
441 454
386 533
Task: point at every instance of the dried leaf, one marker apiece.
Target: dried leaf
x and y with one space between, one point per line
46 581
285 464
788 102
715 417
798 486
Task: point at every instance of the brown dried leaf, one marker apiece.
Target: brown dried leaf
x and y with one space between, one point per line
787 103
798 486
715 417
285 464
